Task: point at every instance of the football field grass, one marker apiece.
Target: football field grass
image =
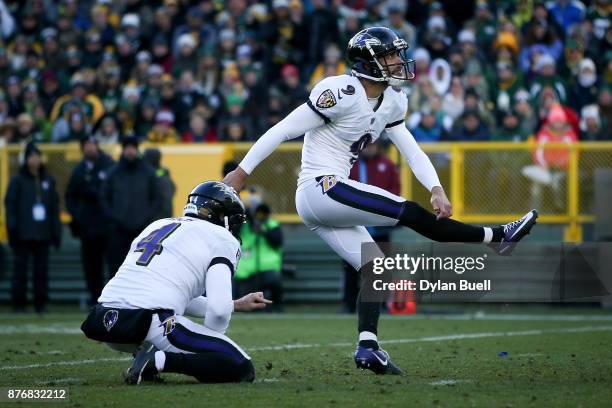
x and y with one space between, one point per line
542 358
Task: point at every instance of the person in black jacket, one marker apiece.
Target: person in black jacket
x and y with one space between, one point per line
33 223
88 220
152 156
130 199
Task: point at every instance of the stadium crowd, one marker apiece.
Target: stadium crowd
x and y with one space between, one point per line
175 71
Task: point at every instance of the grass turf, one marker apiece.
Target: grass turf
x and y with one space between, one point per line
548 363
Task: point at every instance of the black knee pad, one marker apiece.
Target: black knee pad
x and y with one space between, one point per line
412 213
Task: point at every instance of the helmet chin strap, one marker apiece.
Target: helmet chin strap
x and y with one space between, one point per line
226 222
389 80
371 78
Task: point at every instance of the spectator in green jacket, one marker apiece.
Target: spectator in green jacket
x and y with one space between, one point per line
262 256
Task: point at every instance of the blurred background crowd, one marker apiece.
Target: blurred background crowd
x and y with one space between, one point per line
200 71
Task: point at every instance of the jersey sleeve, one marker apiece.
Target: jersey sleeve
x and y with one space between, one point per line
325 100
400 107
227 253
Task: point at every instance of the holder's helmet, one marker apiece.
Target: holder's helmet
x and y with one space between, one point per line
218 203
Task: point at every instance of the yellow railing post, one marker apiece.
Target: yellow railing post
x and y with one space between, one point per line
573 232
456 177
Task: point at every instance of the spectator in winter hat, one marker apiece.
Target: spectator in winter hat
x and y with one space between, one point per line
332 65
522 106
227 45
429 128
244 55
143 62
509 41
590 125
92 57
204 33
88 103
456 61
67 32
145 116
188 95
435 38
604 101
547 76
467 44
585 88
25 128
233 116
161 53
107 131
33 224
421 93
13 96
440 74
131 180
509 128
8 129
291 87
100 22
539 39
453 101
125 54
398 24
234 131
130 25
199 130
548 99
110 93
470 128
52 53
422 59
573 54
484 25
474 101
474 78
555 129
186 58
163 131
508 81
166 186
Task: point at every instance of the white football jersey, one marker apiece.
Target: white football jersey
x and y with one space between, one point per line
167 264
350 124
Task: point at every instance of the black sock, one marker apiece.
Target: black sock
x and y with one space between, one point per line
498 233
372 344
368 312
445 230
210 367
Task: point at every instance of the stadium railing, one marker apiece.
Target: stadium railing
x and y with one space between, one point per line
487 182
